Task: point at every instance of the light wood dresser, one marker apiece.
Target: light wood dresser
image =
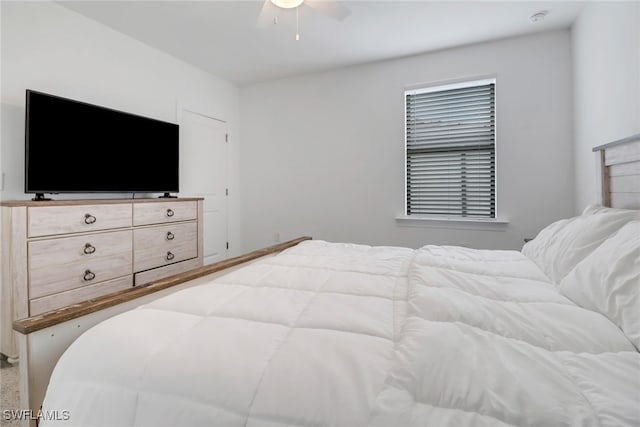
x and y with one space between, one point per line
59 253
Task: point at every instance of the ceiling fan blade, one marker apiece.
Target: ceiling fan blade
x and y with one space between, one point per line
268 13
331 8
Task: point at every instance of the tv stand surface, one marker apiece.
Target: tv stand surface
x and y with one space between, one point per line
72 202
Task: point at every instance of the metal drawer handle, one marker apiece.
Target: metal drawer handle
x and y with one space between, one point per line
170 256
170 213
89 219
89 249
170 235
89 276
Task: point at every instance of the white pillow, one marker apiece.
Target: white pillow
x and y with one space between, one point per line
559 247
608 281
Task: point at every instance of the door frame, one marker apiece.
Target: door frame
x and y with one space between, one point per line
180 109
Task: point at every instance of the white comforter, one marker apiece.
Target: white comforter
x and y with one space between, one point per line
351 335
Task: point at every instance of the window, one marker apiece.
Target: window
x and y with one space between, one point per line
450 150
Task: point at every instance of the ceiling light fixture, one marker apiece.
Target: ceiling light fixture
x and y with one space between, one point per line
290 4
287 4
271 8
536 17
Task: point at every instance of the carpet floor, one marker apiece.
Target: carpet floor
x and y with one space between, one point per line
9 392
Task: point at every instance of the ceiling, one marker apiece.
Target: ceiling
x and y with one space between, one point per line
223 37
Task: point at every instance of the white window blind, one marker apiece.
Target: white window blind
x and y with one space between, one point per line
450 150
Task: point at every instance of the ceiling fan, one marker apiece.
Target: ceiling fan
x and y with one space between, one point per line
271 8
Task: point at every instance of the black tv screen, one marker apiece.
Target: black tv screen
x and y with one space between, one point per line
76 147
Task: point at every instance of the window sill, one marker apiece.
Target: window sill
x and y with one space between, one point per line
494 224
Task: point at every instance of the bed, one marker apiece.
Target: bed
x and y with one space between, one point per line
340 334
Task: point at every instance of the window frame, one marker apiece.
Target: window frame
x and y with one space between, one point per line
451 218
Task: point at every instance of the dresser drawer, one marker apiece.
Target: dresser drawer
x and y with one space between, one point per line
63 299
65 250
163 245
63 277
145 277
161 212
52 220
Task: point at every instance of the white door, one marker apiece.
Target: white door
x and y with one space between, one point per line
203 173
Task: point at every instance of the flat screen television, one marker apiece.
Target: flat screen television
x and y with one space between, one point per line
76 147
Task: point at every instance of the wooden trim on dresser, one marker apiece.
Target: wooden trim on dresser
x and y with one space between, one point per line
18 262
200 230
14 302
45 320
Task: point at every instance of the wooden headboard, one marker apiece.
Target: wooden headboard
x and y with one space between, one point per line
619 173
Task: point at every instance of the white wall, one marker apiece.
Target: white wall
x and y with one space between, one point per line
323 154
49 48
606 75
